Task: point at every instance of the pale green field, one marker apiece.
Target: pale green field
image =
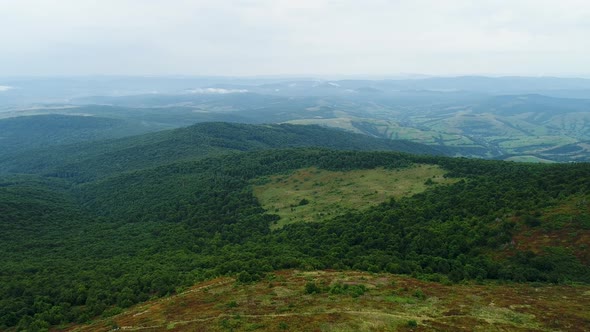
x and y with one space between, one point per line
532 142
331 193
528 159
518 134
343 123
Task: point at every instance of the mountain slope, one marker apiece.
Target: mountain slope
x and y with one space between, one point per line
94 160
43 131
120 240
354 301
108 224
508 117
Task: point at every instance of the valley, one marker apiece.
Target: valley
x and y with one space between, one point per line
513 118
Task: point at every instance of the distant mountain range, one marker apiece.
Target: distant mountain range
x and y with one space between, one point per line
24 90
541 119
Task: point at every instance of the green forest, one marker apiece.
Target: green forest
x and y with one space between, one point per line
86 236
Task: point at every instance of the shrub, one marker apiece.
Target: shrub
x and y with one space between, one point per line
312 288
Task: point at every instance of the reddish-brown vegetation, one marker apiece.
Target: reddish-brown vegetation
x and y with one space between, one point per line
387 303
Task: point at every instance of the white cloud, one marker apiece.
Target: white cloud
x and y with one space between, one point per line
5 88
216 91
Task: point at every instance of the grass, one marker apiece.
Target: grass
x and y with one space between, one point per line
513 135
389 303
311 194
528 159
343 123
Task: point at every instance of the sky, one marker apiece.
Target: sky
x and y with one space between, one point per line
295 37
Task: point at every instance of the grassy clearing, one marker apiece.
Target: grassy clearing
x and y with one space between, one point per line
535 141
528 159
388 302
311 194
343 123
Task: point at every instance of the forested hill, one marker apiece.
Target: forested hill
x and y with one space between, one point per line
42 131
97 227
72 252
98 159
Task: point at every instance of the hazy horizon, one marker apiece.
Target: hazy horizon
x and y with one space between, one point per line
327 77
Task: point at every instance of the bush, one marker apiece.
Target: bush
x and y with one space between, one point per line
244 277
312 288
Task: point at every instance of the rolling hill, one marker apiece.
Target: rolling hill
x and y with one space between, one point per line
473 124
514 118
43 131
92 160
354 301
79 247
90 229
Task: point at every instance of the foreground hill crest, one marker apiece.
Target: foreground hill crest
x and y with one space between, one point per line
345 301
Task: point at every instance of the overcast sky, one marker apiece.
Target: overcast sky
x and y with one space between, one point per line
295 37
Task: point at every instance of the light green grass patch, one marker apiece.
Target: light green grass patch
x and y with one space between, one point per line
311 194
533 142
343 123
505 315
401 299
528 159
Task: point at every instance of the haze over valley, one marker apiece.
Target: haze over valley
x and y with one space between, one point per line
513 118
